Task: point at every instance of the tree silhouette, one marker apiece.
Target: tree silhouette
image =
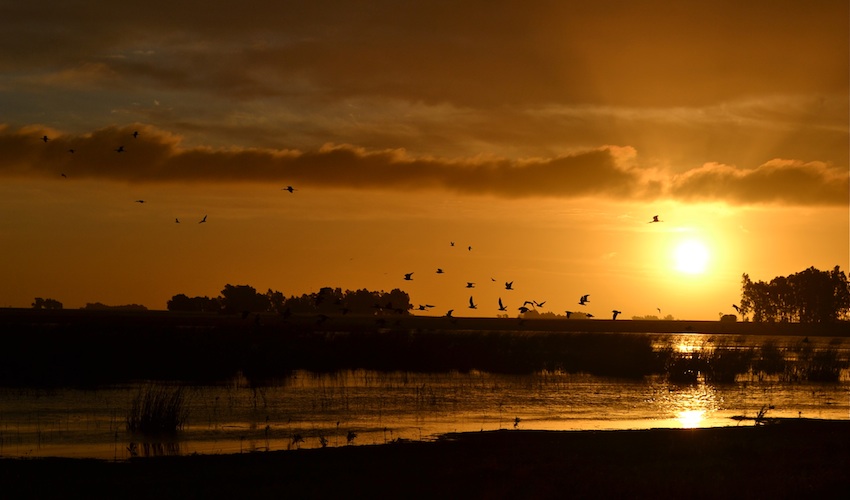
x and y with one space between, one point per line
181 302
41 303
810 296
243 298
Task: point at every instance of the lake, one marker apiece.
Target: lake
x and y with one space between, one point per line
357 407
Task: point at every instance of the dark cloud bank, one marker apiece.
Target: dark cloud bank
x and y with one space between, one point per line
609 172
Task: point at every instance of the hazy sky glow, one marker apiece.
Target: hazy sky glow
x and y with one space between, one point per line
543 134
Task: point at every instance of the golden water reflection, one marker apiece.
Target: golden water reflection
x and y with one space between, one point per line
692 404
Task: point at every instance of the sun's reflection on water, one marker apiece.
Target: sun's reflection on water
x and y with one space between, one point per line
692 404
691 419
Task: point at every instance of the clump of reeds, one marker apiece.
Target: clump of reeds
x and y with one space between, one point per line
157 410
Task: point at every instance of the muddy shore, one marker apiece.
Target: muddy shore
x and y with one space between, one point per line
794 458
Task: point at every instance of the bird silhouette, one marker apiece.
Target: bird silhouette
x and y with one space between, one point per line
119 149
425 307
63 175
588 315
509 285
408 276
452 243
735 306
439 270
202 220
470 284
523 309
472 304
616 313
584 299
502 306
654 219
45 138
288 188
135 134
469 248
71 151
569 313
539 304
140 201
176 220
449 313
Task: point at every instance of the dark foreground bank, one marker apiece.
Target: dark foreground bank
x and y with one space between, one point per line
791 459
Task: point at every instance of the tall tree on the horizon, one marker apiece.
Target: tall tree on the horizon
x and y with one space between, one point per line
810 296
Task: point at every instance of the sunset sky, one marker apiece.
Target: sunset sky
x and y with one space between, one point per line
545 135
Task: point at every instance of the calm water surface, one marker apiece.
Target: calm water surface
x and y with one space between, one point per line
310 410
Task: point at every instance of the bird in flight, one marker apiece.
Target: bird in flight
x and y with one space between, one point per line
449 313
472 304
502 306
408 276
569 313
140 201
588 315
470 284
439 270
616 313
45 138
135 134
654 219
584 299
63 175
425 306
288 188
469 248
176 220
735 306
539 304
509 285
523 309
71 151
119 149
203 220
452 243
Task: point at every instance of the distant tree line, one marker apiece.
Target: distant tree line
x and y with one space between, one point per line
97 306
810 296
328 301
41 303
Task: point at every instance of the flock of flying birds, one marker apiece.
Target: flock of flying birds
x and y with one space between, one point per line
524 308
120 149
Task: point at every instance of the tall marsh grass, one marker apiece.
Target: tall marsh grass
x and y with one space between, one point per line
157 410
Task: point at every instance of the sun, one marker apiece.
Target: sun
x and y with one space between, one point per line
691 257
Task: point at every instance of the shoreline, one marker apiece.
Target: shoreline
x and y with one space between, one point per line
787 458
69 318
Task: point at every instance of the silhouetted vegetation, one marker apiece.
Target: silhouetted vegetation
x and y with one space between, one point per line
40 303
102 347
182 302
235 299
97 306
810 296
157 410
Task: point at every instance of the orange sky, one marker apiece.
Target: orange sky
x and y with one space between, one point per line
545 135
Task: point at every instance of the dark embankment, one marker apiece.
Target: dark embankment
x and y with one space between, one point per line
101 347
791 459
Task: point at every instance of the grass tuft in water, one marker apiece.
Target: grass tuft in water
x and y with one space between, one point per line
157 410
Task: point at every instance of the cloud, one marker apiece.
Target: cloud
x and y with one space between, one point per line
609 171
777 181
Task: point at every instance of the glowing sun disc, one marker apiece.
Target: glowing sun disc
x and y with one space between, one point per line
691 257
